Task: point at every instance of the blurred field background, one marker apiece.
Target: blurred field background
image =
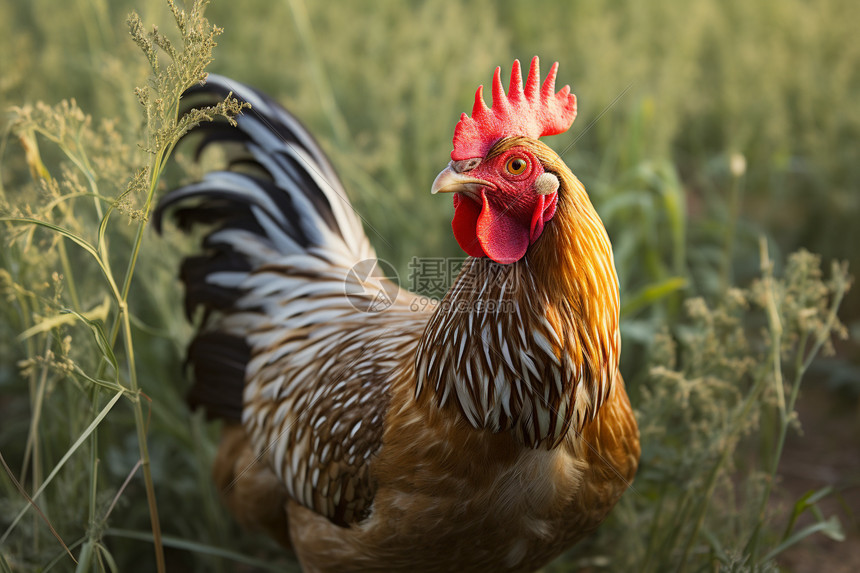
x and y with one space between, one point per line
705 130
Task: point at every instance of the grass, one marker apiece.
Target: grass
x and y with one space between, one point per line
702 129
722 391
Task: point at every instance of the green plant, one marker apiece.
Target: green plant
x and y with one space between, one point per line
94 162
714 414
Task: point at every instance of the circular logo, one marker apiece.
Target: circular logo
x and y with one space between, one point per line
371 285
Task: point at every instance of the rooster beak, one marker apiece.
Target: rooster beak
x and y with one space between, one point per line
450 181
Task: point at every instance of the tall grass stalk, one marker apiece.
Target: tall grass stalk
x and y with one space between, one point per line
302 24
802 360
68 128
716 385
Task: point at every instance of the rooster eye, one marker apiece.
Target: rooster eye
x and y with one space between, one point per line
516 165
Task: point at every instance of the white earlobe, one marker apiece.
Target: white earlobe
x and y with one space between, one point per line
546 184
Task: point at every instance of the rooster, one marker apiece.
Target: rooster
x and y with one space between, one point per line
488 433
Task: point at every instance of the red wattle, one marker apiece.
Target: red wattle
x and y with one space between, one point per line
489 231
502 236
465 225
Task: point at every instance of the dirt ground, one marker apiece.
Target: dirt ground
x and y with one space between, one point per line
828 453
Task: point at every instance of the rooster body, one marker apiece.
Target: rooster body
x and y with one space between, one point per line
488 433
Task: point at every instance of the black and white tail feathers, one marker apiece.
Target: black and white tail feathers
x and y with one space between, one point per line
278 202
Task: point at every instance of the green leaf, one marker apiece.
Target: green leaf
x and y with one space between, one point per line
102 245
96 313
85 245
98 333
81 439
57 229
832 528
108 384
194 547
651 294
807 501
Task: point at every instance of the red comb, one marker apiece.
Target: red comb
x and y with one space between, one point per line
532 113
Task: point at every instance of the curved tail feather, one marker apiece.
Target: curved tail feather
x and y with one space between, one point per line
280 203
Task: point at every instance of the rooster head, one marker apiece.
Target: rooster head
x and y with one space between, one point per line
503 179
